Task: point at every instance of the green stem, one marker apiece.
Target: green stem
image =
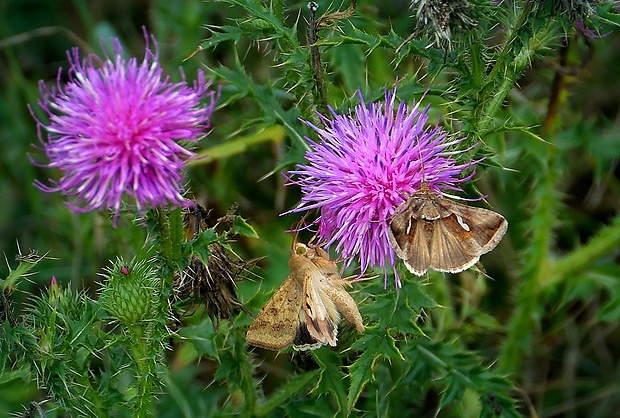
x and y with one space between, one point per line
511 62
602 243
495 94
164 233
247 384
145 373
528 313
526 318
171 237
539 275
477 64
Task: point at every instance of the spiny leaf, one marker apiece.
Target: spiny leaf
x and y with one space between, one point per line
266 99
331 377
374 345
224 34
200 245
241 227
291 388
202 336
456 370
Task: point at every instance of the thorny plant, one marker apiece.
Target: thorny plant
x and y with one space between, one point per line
437 345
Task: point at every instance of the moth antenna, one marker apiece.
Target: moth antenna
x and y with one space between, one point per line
419 149
298 226
310 242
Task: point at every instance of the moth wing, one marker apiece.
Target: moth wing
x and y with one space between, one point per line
322 316
276 325
449 252
345 303
303 339
410 239
485 227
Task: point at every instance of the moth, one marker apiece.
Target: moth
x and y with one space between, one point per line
431 232
305 310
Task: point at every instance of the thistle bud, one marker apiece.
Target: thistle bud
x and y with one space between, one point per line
130 294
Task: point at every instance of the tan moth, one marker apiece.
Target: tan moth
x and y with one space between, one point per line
429 231
306 309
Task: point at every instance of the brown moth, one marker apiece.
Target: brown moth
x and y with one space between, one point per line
305 310
429 231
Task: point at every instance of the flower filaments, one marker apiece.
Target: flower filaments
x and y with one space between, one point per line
115 131
367 163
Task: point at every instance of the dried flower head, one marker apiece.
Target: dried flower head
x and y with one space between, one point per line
573 10
212 282
366 165
440 18
115 128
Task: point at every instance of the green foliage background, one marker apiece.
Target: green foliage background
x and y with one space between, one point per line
547 319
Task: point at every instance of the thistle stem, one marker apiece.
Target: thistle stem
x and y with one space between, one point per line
526 318
602 243
145 372
170 225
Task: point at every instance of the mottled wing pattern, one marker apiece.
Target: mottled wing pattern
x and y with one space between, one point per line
432 232
327 300
322 316
485 228
451 252
276 325
305 311
410 238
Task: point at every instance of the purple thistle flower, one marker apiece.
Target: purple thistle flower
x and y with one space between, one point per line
114 131
365 166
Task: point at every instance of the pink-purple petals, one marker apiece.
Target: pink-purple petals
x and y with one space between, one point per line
117 131
367 163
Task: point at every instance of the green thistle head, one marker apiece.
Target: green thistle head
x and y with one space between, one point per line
129 293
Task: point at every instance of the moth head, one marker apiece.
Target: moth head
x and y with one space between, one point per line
310 251
300 249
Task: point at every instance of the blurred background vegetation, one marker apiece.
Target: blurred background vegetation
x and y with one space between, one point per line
572 366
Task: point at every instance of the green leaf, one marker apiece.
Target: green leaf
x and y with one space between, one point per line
288 390
226 33
331 380
200 245
348 62
241 227
374 345
238 145
202 336
264 95
455 369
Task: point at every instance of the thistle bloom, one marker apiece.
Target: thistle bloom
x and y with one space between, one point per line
366 165
114 131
